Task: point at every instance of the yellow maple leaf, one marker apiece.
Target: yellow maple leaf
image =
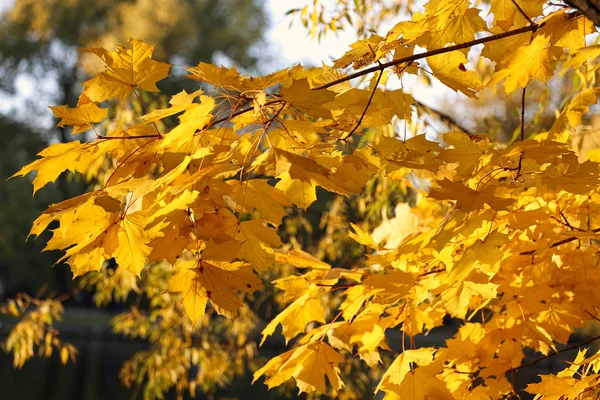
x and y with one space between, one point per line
132 253
557 388
295 317
300 259
201 281
82 117
464 150
403 364
257 241
127 69
534 60
468 199
57 158
450 69
505 12
300 193
258 194
565 30
230 78
308 364
420 383
363 52
299 94
180 102
486 253
457 26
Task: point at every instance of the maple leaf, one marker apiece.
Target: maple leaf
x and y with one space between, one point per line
201 281
300 96
308 365
565 31
534 60
132 254
404 363
127 69
182 101
464 150
82 117
455 26
362 53
230 78
505 12
450 69
259 195
257 242
468 199
556 388
60 157
418 384
306 308
300 193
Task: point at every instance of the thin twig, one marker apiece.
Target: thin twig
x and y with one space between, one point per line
460 46
522 12
576 346
366 108
555 244
450 121
522 129
125 159
240 112
523 114
128 137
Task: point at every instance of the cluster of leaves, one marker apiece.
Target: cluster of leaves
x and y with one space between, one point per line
35 330
502 237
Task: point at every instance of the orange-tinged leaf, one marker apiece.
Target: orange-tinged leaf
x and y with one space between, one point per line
201 281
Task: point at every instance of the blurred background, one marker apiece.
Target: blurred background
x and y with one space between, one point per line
41 66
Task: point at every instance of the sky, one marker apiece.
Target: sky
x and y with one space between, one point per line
293 44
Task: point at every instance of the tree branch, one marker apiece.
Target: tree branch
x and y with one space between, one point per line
449 120
522 12
380 67
575 346
555 244
589 8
